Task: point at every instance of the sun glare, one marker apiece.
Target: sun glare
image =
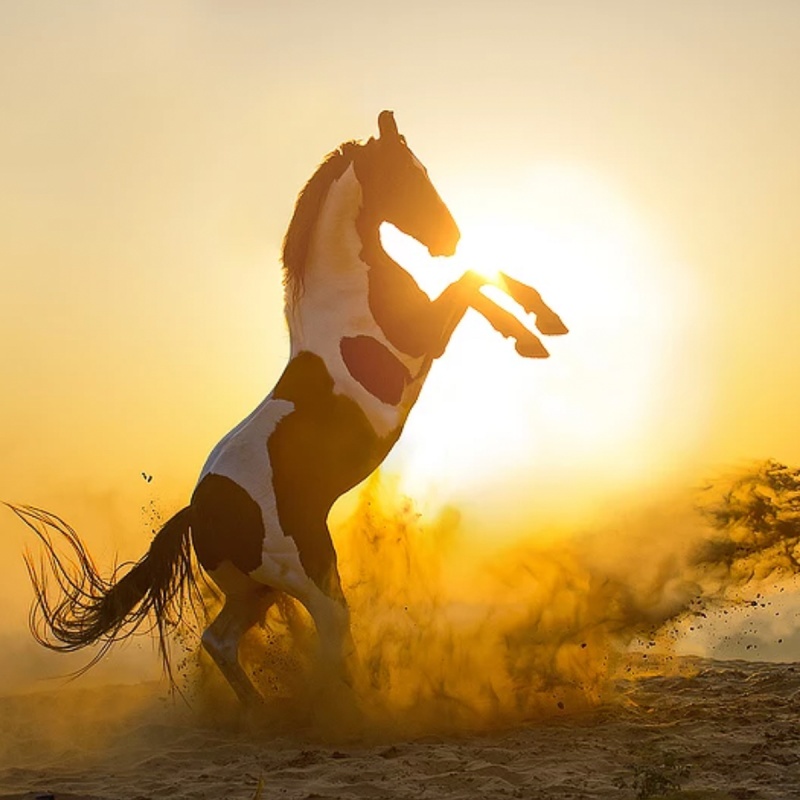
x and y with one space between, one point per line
604 410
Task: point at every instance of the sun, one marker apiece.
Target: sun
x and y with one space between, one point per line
618 399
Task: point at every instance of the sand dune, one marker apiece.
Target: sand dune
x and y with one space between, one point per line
709 730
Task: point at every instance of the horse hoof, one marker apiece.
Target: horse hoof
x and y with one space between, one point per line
531 347
551 325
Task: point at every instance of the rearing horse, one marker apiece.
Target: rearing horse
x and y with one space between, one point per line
363 338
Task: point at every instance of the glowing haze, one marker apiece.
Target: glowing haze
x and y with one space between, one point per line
636 162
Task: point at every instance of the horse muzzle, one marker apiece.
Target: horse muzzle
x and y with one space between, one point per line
445 244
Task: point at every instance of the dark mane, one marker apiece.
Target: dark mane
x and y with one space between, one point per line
306 211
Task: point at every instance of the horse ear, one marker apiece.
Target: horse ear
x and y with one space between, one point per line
387 126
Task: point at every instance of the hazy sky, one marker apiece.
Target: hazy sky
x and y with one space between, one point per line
151 153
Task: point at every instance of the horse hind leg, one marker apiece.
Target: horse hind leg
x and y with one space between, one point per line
338 679
332 621
221 639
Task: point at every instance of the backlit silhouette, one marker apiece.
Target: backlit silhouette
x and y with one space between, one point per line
363 339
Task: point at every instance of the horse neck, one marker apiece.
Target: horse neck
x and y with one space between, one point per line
335 276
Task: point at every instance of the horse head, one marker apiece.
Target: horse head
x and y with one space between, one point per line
397 190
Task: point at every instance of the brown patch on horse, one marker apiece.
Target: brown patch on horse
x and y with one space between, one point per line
375 367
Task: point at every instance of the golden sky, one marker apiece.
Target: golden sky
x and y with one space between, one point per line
640 160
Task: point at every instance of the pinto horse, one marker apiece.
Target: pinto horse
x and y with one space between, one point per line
363 339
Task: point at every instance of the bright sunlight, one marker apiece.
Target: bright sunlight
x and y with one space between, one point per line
606 402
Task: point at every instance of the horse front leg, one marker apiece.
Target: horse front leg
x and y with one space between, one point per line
547 321
449 308
527 344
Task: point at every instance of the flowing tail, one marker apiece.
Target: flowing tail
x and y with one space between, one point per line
83 608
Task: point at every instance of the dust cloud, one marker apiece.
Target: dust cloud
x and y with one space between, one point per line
462 630
457 637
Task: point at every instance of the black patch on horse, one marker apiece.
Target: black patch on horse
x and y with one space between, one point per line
323 448
226 524
375 367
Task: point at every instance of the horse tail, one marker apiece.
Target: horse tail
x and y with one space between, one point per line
74 606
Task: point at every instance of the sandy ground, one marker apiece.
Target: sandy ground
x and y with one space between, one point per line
718 730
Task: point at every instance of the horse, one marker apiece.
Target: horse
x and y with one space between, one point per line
363 338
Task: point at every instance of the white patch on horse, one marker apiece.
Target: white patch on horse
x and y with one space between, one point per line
335 302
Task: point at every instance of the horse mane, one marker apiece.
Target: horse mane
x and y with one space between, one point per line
306 210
